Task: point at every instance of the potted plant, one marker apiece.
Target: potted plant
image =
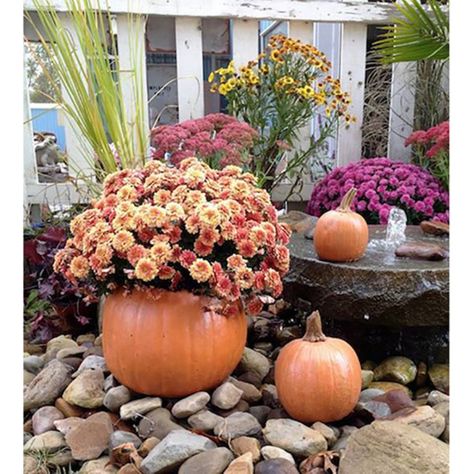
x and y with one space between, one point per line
181 253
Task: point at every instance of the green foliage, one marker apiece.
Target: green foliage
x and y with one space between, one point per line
92 78
418 34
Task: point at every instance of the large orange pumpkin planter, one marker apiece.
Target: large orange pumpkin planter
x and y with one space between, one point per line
170 346
318 378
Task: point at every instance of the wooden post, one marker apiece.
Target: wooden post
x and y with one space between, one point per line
132 55
244 41
189 67
353 57
402 110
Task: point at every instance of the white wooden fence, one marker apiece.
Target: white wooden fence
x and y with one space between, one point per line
306 21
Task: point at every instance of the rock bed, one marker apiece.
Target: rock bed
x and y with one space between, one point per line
78 415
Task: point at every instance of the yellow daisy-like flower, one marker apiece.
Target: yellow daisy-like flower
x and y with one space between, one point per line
175 211
127 193
146 269
123 240
200 270
80 267
211 77
162 197
223 89
209 215
160 252
153 216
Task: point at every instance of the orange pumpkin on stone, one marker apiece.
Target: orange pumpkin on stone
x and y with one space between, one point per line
170 346
341 235
318 378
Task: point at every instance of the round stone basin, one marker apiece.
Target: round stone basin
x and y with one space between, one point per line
379 291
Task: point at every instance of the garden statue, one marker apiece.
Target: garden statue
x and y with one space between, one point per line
48 159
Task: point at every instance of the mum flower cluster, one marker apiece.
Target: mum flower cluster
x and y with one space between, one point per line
180 228
218 139
431 150
291 68
382 184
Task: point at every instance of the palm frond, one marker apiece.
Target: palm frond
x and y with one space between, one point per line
419 34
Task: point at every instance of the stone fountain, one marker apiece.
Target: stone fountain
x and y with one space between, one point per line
381 304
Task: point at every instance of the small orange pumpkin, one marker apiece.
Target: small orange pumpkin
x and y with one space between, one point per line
341 235
170 346
318 378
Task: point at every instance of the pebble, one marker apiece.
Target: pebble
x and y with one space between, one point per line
395 399
250 394
174 449
60 342
367 377
329 434
204 420
212 461
397 369
424 418
67 409
43 419
28 377
244 444
85 338
33 364
374 409
121 437
254 362
91 362
439 376
70 352
237 424
46 386
272 452
115 397
276 466
251 378
241 465
341 443
67 424
270 395
226 396
260 412
190 405
294 437
139 407
86 390
147 446
88 440
435 397
369 394
421 374
241 406
157 423
98 466
50 441
110 382
387 386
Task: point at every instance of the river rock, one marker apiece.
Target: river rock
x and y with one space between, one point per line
237 424
28 377
367 377
67 409
270 395
139 407
121 437
115 397
390 447
110 382
244 444
424 418
276 466
204 420
47 385
395 399
226 396
190 405
421 374
50 442
254 362
90 439
92 362
260 412
173 450
272 452
86 338
212 461
67 424
157 423
396 369
241 465
294 437
98 466
68 352
373 410
369 394
33 363
435 397
73 362
86 390
346 432
387 386
241 406
60 342
329 434
250 394
147 446
439 376
44 418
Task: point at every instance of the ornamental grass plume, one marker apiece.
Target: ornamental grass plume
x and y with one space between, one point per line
382 184
217 139
211 232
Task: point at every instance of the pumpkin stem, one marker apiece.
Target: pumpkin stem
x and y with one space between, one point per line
314 329
347 200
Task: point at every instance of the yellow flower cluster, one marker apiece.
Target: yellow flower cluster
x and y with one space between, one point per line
163 226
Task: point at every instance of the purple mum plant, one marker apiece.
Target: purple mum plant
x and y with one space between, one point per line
382 184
